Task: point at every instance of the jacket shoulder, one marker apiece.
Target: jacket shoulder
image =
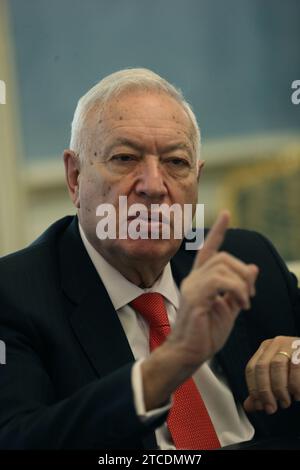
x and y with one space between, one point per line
24 270
46 239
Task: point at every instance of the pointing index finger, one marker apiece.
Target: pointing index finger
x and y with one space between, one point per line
214 239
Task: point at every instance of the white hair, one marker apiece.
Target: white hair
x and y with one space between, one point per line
121 81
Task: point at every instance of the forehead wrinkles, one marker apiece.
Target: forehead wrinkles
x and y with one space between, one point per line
165 127
120 113
170 121
133 103
147 112
143 136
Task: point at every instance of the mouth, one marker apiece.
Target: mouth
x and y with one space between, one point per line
156 218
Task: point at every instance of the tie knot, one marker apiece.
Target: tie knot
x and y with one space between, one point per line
152 307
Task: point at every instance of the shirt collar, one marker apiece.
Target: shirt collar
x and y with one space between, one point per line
120 290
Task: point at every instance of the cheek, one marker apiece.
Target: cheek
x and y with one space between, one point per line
193 188
98 191
106 191
186 192
95 188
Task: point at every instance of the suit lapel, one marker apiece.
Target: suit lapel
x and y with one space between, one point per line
93 317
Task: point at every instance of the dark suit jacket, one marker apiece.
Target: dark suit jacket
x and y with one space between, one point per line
66 383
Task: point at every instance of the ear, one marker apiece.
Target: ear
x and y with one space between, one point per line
201 164
72 173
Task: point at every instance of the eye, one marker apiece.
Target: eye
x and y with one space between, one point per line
123 158
177 161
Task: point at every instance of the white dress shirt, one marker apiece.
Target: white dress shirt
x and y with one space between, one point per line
228 417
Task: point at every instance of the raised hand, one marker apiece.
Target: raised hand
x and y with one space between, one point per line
217 288
212 295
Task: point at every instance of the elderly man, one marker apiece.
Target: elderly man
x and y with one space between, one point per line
118 342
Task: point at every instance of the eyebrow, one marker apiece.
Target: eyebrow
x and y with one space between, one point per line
178 146
124 141
139 148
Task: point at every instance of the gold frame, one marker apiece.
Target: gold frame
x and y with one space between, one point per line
284 163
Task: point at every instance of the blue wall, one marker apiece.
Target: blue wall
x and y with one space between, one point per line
234 59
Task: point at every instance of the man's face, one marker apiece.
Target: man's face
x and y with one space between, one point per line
140 147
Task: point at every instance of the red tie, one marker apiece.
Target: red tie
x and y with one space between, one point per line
188 422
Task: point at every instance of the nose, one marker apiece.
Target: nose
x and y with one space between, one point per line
151 182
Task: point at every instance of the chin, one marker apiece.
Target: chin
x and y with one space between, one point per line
149 249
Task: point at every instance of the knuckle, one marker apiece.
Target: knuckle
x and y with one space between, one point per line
244 286
294 386
217 278
295 367
279 339
265 395
223 256
278 364
262 366
280 393
249 369
253 394
221 269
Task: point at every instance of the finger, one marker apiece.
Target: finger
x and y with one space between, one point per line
232 303
249 405
225 281
250 373
252 405
222 307
258 380
226 307
294 381
248 272
214 239
254 272
262 371
279 373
